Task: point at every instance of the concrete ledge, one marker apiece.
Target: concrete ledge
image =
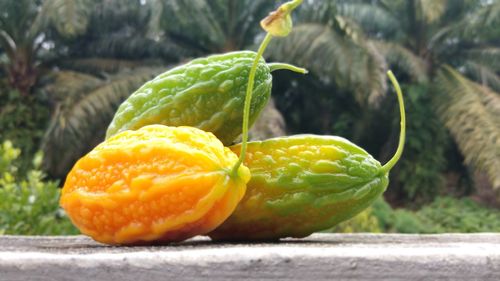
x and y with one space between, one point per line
318 257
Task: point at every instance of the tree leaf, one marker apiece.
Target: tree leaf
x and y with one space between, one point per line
483 75
69 17
432 10
205 31
69 86
80 124
487 56
103 65
335 59
372 18
472 114
403 58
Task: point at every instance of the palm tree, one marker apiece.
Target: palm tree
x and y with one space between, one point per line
447 54
52 48
17 41
461 52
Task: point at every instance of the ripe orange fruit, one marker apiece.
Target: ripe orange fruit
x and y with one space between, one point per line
156 184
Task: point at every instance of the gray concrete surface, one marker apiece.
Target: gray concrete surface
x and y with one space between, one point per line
319 257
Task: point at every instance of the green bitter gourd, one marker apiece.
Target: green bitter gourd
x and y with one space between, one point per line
206 93
306 183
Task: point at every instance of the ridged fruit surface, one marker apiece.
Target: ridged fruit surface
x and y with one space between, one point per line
206 93
300 185
156 184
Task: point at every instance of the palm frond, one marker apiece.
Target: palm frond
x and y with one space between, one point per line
490 14
124 29
79 125
240 20
103 65
472 114
483 75
480 25
154 23
133 47
372 18
204 32
69 17
404 59
433 9
220 25
68 86
323 12
488 56
376 73
16 18
335 59
127 16
491 101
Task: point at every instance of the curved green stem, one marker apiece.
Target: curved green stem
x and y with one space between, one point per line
285 66
388 166
248 99
282 26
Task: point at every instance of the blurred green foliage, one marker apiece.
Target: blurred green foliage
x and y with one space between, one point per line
448 214
29 205
22 121
420 172
365 221
443 215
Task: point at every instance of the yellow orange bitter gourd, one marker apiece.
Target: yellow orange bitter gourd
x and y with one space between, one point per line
156 184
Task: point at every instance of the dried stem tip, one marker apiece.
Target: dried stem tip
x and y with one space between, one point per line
279 22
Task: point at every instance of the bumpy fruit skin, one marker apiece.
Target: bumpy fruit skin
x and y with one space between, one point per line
300 185
206 93
156 184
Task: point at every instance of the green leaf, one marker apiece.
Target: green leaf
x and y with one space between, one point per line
69 17
336 59
475 26
472 114
69 86
178 18
29 205
372 18
80 124
487 56
403 58
102 66
483 75
432 10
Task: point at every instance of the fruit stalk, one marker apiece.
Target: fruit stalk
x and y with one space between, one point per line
278 23
248 100
402 133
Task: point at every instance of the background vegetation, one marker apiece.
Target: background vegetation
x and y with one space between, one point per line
65 66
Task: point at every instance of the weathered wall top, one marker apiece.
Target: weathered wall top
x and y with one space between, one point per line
319 257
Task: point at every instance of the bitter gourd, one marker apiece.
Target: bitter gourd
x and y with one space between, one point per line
155 184
306 183
206 93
